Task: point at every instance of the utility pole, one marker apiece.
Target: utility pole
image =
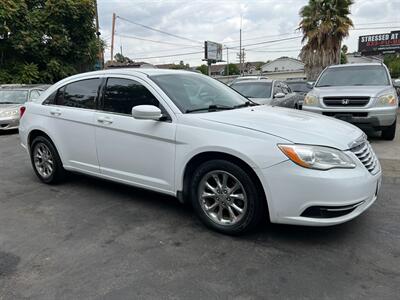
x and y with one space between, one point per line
112 36
240 48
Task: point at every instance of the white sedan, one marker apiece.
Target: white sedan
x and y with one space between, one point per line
187 135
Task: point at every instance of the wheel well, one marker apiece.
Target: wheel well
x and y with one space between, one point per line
197 160
34 134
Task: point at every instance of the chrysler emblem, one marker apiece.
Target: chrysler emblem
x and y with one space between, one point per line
345 101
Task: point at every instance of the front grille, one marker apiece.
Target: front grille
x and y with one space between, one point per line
346 101
350 114
367 156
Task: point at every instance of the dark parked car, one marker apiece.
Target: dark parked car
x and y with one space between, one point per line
267 91
301 88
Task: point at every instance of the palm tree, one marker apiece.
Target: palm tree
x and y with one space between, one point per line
324 24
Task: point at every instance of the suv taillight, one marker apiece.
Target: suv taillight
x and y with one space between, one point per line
22 110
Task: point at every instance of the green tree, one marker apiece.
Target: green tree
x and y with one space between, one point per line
343 55
324 24
203 69
122 59
392 61
46 40
233 69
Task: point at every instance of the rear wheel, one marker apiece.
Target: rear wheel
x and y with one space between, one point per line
389 132
225 197
45 161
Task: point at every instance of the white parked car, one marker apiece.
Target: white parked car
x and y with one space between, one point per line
187 135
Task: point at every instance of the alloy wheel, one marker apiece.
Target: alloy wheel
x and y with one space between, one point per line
222 197
43 160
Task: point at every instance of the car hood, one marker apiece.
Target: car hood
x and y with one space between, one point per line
293 125
368 91
7 107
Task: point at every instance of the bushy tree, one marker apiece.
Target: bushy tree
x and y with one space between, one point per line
203 69
233 69
393 64
46 40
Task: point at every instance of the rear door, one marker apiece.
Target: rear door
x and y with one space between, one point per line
71 123
141 152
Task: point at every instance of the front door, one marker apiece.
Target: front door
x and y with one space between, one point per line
140 152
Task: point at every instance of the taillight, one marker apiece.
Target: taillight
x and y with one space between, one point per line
22 110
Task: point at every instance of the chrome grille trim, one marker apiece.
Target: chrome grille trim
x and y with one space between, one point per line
367 157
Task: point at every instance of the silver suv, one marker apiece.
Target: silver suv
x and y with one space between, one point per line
362 94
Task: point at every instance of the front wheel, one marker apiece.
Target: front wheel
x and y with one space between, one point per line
225 197
389 133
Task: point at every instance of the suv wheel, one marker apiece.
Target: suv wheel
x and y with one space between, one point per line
225 197
45 161
389 132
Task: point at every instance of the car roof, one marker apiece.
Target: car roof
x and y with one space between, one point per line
254 81
23 86
355 65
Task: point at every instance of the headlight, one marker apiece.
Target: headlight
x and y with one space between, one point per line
387 100
317 157
10 113
310 100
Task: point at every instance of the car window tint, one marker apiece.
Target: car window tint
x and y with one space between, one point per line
80 94
123 94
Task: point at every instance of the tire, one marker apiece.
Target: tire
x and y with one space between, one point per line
253 208
42 145
389 132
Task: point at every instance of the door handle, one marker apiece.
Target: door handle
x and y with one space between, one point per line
55 112
105 120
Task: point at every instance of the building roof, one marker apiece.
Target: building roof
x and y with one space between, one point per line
283 58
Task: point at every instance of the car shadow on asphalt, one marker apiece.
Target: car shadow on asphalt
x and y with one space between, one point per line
266 233
8 132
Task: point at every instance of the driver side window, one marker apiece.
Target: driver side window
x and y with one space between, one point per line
121 95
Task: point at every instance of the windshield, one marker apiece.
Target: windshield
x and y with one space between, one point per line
301 87
192 91
253 89
13 96
354 75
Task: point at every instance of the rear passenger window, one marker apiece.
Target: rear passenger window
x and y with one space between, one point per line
80 94
123 94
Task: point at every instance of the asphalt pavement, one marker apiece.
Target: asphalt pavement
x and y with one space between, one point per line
92 239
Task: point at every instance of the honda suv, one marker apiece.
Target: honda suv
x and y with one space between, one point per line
362 94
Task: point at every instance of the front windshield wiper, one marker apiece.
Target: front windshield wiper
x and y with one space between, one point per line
246 104
324 85
212 107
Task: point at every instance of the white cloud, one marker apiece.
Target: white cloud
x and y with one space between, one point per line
219 21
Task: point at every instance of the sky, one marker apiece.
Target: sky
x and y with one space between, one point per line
190 23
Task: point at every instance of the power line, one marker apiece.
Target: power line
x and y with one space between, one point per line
154 41
172 55
158 30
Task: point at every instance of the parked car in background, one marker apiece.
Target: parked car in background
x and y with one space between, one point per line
362 94
191 136
301 88
267 91
245 78
12 97
396 84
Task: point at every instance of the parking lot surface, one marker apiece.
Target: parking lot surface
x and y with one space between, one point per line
91 239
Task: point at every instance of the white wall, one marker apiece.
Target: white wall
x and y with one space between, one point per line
280 65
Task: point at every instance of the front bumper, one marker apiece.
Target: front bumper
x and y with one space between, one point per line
374 117
9 123
292 190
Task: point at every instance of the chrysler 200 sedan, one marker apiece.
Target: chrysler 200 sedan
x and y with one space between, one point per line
190 136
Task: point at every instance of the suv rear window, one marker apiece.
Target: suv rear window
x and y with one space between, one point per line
354 75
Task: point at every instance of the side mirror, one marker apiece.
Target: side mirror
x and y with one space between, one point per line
146 112
279 95
310 84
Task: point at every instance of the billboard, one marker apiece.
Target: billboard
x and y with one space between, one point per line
212 51
383 43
